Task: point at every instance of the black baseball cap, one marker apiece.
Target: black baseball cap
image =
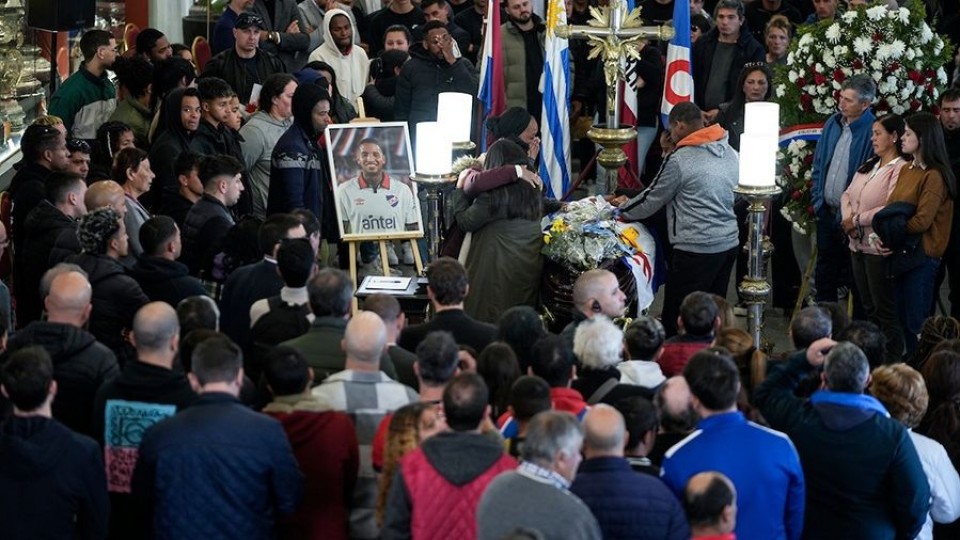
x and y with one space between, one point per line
246 20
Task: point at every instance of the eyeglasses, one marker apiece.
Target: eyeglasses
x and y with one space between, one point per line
78 145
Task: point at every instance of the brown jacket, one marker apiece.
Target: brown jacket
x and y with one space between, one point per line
926 189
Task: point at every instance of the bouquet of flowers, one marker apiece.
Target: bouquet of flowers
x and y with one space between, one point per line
795 178
897 48
585 233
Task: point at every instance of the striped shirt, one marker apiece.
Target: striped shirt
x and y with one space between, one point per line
366 397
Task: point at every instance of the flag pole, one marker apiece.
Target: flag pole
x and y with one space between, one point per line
615 35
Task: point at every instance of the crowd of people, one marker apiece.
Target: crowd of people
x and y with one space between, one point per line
366 427
180 356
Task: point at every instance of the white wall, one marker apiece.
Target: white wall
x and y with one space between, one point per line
167 16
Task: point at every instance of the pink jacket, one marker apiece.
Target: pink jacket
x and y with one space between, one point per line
867 195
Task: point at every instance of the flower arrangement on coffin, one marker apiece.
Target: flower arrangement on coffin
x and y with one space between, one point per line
587 234
584 234
896 48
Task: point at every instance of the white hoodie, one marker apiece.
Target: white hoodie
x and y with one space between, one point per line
352 69
641 373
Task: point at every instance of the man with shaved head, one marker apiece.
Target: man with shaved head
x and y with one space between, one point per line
105 193
148 390
627 504
81 364
366 394
596 292
98 195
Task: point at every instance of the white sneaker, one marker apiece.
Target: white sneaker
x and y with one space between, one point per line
406 253
391 255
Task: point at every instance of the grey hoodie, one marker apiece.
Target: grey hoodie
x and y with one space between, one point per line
696 184
260 135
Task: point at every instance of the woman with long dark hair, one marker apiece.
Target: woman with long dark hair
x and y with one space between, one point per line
867 195
503 258
929 185
498 366
755 84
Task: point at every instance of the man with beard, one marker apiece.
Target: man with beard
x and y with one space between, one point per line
350 63
373 202
87 98
299 177
432 69
522 39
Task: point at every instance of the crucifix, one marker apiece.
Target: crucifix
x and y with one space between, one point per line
617 37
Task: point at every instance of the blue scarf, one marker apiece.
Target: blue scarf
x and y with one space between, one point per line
846 399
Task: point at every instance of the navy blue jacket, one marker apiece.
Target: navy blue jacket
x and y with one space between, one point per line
297 174
629 504
52 482
245 286
864 478
217 470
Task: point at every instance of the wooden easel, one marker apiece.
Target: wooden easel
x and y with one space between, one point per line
352 243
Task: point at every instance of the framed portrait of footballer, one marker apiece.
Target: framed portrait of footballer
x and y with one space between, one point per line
372 165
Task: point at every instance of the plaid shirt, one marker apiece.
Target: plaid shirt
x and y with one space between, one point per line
366 397
547 476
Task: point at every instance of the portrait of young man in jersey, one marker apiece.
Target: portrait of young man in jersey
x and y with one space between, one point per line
372 202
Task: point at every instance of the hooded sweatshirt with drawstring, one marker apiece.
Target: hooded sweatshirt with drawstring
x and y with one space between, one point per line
696 184
352 69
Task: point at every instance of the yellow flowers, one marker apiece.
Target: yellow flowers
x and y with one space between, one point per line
632 238
559 226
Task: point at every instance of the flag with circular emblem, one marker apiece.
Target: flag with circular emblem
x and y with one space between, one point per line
678 80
